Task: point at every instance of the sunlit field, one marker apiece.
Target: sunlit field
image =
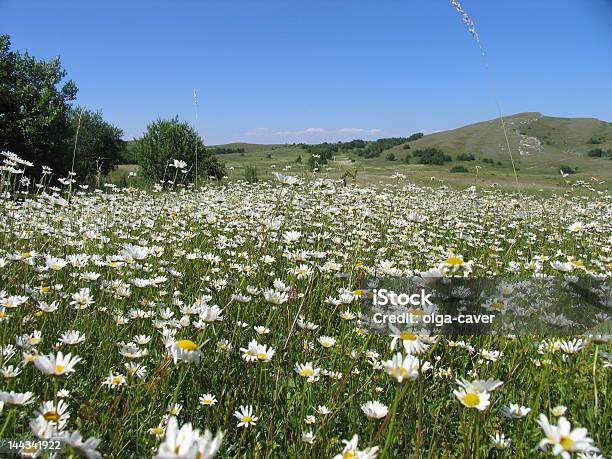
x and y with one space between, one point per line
225 320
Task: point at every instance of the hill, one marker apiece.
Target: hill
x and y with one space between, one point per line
541 145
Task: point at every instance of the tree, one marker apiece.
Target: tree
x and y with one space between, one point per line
168 140
99 146
34 109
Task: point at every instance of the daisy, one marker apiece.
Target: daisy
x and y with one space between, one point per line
56 365
563 439
405 367
375 409
514 411
351 450
500 441
245 416
326 341
207 400
185 350
114 380
307 371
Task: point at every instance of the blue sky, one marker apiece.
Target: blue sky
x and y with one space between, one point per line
273 71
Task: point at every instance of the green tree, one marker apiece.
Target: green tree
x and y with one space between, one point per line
167 140
34 109
99 144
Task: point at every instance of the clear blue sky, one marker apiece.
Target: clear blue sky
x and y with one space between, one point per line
272 71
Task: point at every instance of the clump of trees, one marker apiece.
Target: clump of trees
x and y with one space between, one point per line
39 123
225 150
432 156
167 140
414 137
466 157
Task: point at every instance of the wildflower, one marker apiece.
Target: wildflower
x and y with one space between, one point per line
375 409
185 350
563 439
514 411
56 365
405 367
326 341
500 441
207 400
307 371
245 416
351 450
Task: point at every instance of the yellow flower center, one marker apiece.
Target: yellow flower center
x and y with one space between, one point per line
471 399
262 356
566 442
408 336
26 254
187 345
358 292
56 266
247 418
306 372
498 305
59 369
349 455
454 261
208 402
577 263
51 415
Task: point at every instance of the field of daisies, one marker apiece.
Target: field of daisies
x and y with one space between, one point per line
223 321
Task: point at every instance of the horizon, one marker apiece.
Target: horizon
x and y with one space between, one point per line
322 71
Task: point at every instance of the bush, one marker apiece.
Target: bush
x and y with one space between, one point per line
169 140
455 169
299 159
432 156
596 153
406 146
250 174
407 158
390 157
568 169
466 157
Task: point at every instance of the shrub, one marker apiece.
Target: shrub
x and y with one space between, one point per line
455 169
390 157
168 140
466 157
596 153
568 169
432 156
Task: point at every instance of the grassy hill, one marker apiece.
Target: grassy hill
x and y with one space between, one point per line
540 145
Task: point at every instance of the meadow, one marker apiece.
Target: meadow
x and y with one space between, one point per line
224 320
